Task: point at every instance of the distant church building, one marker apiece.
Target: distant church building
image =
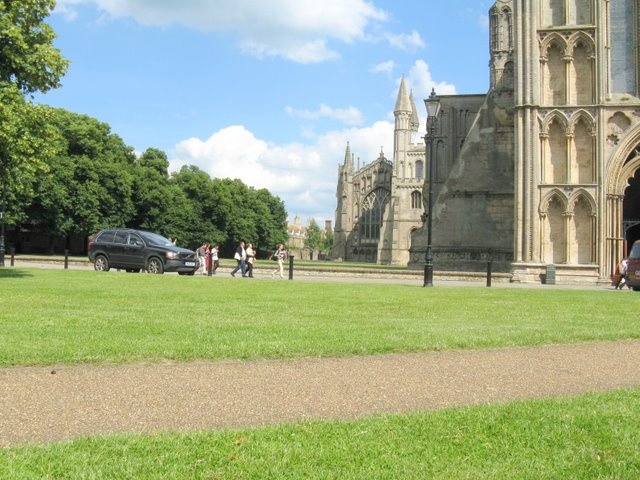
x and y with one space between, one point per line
543 170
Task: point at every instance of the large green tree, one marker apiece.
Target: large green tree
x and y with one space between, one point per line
228 211
96 181
317 239
150 193
91 180
161 205
271 218
203 213
28 63
27 138
28 59
313 236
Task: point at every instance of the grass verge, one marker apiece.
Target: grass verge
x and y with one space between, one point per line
73 317
593 436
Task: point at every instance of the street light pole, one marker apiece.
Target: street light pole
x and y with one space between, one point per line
433 108
3 209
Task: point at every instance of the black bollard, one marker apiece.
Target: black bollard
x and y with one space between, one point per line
290 267
13 256
489 273
210 269
66 259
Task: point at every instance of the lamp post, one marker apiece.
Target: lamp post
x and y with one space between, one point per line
3 209
433 108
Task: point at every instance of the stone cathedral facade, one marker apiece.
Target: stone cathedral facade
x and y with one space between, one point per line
542 170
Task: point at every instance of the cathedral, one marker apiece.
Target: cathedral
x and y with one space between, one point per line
541 172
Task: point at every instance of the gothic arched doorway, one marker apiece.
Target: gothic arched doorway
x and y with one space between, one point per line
631 212
622 225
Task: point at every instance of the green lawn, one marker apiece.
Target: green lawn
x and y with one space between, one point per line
57 316
594 436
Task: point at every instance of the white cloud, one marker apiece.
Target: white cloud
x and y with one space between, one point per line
384 67
304 176
348 116
420 81
298 30
406 41
68 8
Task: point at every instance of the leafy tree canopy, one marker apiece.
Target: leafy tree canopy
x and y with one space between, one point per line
28 63
93 179
28 59
28 140
313 236
90 185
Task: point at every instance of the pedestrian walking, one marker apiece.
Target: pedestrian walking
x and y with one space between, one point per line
201 255
251 255
280 256
215 261
241 257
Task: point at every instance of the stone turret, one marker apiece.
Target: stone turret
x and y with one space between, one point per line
406 116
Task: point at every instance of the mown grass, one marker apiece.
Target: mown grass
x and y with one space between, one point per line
593 436
73 317
54 316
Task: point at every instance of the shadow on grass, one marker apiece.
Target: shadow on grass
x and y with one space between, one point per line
14 273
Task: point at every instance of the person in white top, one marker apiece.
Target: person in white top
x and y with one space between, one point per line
251 255
215 262
240 257
280 255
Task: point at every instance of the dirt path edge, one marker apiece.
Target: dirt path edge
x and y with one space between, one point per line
45 404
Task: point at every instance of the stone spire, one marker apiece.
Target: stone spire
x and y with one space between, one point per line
415 120
403 130
403 102
348 158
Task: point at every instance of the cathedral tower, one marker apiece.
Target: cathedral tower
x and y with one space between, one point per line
344 209
542 172
579 136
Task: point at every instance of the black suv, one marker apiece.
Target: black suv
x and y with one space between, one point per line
135 250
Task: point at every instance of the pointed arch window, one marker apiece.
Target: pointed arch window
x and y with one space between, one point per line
554 13
582 162
416 199
554 75
580 12
582 232
554 231
420 170
370 219
582 74
555 153
506 30
495 29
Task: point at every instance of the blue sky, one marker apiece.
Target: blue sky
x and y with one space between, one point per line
268 91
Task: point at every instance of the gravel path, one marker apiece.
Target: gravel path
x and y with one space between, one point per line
61 403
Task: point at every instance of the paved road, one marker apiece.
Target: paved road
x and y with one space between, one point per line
64 402
407 278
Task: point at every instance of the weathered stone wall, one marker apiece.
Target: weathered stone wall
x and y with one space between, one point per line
473 210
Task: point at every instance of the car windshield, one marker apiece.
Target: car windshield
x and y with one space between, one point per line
155 239
635 251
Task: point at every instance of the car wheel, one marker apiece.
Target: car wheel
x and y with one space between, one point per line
154 265
101 264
